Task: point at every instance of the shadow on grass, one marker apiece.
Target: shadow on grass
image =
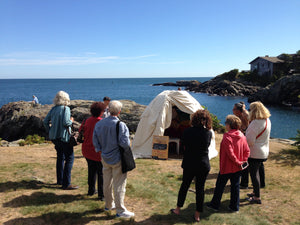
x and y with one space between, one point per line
286 157
41 198
63 218
25 184
212 176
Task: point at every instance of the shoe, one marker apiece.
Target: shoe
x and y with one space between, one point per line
232 210
101 198
253 201
243 187
113 206
173 212
125 214
211 207
92 193
197 217
71 187
250 194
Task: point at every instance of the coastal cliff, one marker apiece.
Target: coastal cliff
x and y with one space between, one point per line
19 119
283 92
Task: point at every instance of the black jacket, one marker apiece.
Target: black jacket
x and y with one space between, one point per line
196 141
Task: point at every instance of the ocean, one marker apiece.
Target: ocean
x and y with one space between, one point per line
285 121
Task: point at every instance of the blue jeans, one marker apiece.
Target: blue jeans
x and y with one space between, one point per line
64 162
234 190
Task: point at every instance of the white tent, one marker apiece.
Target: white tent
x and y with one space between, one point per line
158 116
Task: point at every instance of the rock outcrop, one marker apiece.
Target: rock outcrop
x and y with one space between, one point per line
285 91
180 83
225 88
19 119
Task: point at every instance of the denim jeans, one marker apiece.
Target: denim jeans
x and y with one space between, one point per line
64 162
234 190
94 171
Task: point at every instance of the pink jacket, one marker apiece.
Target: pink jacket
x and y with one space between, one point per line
234 151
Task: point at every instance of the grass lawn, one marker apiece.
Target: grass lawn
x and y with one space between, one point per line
28 195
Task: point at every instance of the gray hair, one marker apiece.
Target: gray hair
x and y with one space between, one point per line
61 98
115 107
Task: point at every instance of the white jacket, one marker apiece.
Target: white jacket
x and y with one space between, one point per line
259 148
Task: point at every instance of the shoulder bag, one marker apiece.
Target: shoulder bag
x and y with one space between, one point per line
263 130
127 159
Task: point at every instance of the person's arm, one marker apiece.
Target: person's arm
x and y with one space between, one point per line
67 122
124 140
47 121
96 142
246 151
227 142
251 133
209 136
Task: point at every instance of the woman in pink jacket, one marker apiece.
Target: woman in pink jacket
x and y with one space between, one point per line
234 152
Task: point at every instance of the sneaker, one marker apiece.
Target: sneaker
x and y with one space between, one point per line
71 187
211 207
125 214
113 206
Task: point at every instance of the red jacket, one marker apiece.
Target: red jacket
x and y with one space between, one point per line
88 150
234 151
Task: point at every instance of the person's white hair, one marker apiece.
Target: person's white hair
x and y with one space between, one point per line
61 98
115 107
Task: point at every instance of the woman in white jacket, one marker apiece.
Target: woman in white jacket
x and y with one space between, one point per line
258 135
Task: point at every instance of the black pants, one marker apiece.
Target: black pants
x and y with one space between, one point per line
188 176
94 171
254 165
245 176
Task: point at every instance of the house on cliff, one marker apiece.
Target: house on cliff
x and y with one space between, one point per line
266 66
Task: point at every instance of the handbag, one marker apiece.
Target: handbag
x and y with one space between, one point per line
127 160
73 141
80 137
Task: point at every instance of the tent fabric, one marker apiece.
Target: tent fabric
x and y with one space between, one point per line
158 116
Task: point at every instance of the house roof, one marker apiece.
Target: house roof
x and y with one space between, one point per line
270 59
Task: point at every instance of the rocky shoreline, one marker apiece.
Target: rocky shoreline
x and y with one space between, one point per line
284 92
19 119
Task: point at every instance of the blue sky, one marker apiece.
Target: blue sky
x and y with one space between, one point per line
142 38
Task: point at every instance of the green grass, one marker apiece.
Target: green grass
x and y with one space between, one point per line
151 191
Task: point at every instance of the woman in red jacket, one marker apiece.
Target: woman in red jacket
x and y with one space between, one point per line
234 151
92 157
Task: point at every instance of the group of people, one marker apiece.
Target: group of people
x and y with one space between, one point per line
245 144
100 149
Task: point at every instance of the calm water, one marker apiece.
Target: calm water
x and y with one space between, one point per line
285 122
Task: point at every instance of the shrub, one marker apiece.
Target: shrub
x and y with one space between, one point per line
217 126
32 139
297 139
216 123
